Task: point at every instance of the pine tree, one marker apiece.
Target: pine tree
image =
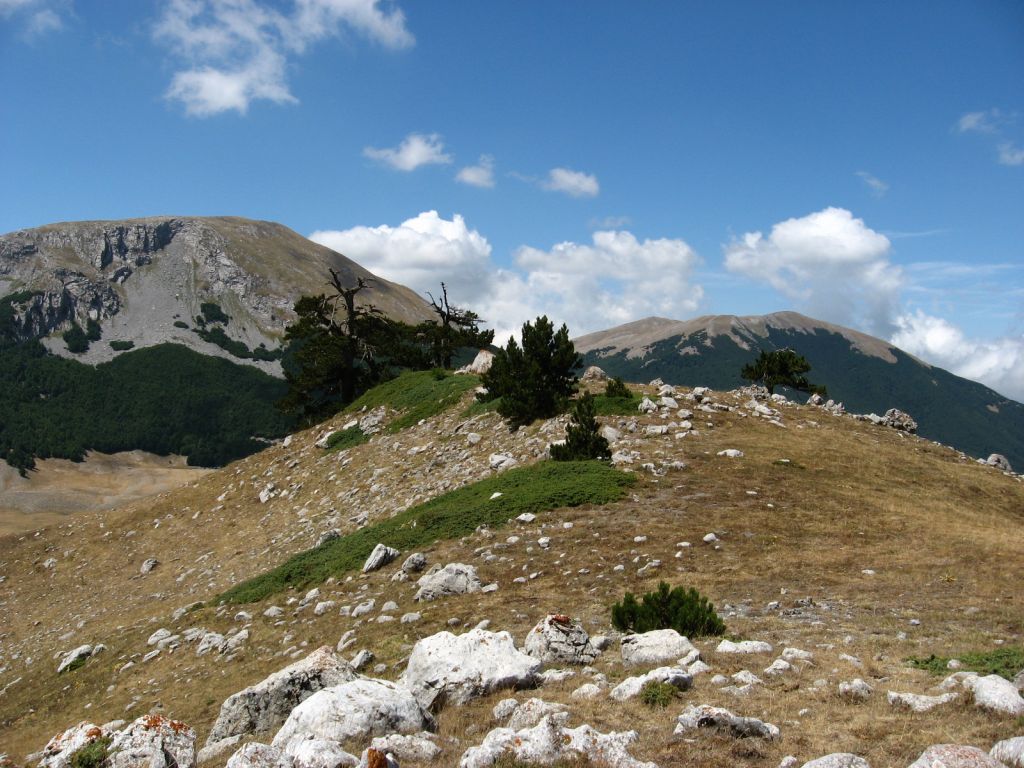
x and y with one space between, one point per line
583 439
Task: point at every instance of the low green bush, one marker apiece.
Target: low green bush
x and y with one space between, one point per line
180 324
617 388
685 610
121 346
212 313
93 755
344 439
656 693
93 332
1006 661
76 339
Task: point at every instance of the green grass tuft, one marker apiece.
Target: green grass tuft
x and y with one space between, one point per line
1006 662
75 665
537 488
417 394
92 755
655 693
616 406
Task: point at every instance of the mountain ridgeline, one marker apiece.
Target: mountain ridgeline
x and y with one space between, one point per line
864 373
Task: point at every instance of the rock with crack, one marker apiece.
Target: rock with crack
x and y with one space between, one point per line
154 741
917 703
557 639
549 742
454 669
532 711
706 717
379 557
955 756
632 686
354 710
264 706
453 579
658 646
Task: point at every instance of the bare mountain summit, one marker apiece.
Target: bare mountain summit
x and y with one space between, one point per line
144 281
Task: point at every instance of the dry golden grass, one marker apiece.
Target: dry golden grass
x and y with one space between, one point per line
942 534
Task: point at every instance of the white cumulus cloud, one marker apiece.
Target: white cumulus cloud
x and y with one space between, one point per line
415 150
236 51
589 286
572 183
830 263
997 363
479 175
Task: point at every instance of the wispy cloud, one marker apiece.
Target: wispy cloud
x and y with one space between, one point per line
572 183
236 51
37 17
994 123
416 149
479 175
611 222
876 185
896 235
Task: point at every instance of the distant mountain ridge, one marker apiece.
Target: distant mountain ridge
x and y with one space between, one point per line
866 373
144 281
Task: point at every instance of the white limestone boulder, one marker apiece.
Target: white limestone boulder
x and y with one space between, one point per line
744 646
918 703
58 750
453 579
632 686
657 647
264 706
357 709
154 741
319 753
557 639
254 755
695 718
454 669
1009 751
955 756
379 557
838 760
995 694
548 742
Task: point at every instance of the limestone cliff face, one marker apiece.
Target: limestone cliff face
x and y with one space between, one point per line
142 279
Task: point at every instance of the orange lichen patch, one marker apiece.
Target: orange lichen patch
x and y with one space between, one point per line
94 733
375 759
560 618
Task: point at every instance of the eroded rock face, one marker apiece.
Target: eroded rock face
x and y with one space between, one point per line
267 704
454 669
660 646
548 742
481 363
154 741
557 639
897 419
354 710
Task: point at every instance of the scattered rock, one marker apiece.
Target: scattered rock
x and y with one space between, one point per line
594 373
744 646
259 756
999 461
453 579
379 557
414 563
704 716
897 419
658 646
995 694
916 703
454 669
855 690
532 711
72 656
1010 752
632 686
731 453
557 639
148 565
838 760
417 747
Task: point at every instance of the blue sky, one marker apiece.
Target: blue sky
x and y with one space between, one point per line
595 161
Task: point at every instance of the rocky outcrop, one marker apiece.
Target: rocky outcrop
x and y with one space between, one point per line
267 704
631 687
454 669
705 717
